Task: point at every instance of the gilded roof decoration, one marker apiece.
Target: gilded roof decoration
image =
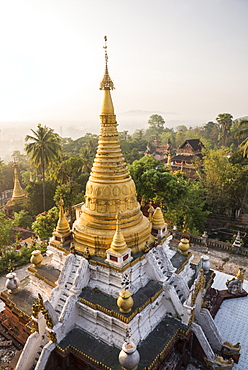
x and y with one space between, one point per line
106 83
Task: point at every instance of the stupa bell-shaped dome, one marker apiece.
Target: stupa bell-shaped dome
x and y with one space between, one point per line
109 190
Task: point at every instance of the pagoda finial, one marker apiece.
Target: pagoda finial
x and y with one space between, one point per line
62 225
106 83
105 47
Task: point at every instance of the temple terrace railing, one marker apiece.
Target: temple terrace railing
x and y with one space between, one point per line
211 243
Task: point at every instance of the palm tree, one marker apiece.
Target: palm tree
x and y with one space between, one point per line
43 148
87 159
225 122
243 132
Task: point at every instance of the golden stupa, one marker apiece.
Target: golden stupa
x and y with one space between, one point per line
110 189
18 193
62 224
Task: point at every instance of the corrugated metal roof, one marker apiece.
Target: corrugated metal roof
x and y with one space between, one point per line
231 319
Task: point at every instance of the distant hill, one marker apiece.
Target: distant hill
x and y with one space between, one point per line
144 113
240 118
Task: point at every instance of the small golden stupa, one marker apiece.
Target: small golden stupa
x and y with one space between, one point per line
118 253
158 218
109 190
62 234
18 193
62 225
159 226
169 167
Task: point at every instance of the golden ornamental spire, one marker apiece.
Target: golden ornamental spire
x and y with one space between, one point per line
106 83
118 244
18 192
169 162
158 217
62 225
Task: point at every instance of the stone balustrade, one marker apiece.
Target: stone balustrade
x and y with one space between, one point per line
211 243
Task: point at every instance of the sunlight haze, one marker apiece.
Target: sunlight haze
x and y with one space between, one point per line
185 59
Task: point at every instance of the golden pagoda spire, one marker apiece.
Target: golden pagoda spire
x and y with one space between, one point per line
62 225
118 254
118 244
110 189
159 226
169 162
158 217
18 193
106 85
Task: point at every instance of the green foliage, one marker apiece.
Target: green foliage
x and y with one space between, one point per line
23 219
6 177
182 199
71 147
45 223
87 159
243 133
67 170
18 258
190 211
162 185
138 134
156 126
21 160
7 230
82 180
224 181
34 192
225 122
138 168
43 149
71 193
156 122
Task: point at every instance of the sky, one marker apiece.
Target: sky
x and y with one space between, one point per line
184 59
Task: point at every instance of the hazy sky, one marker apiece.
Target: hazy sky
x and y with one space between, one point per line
185 58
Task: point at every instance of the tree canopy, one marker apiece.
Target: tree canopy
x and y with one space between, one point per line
225 122
45 223
43 148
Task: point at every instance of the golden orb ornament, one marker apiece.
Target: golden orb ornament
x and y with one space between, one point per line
183 246
125 301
